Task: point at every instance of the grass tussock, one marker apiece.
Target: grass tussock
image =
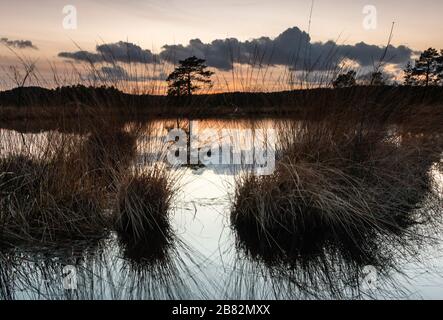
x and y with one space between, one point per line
340 182
143 204
48 199
74 186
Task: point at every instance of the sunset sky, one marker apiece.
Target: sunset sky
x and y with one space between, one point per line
151 24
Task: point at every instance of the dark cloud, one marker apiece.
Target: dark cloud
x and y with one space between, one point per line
222 54
367 55
125 52
292 48
114 72
118 73
18 44
113 52
81 56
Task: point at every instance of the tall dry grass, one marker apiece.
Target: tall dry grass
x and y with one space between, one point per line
57 186
340 179
50 196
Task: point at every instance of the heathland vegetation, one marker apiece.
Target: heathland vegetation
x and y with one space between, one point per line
356 163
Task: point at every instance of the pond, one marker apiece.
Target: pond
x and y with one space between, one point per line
206 260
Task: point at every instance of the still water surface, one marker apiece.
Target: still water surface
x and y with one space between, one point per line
205 261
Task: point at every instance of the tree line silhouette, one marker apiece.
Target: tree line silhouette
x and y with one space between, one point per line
192 75
425 71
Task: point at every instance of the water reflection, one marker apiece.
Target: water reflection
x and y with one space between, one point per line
203 257
328 268
102 271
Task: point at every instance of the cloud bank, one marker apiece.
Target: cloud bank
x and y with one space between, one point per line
292 48
18 44
114 52
118 73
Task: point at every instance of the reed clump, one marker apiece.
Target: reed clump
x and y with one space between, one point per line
143 205
81 186
339 181
58 187
49 197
